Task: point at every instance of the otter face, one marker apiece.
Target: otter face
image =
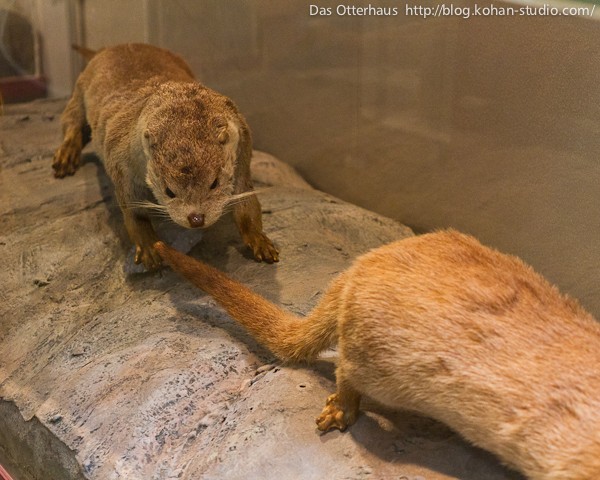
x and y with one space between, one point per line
191 160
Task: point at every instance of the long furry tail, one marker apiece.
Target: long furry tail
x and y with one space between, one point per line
287 336
85 52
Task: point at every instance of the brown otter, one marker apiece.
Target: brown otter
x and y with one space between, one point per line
168 143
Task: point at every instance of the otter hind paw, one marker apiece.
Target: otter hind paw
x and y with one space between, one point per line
334 416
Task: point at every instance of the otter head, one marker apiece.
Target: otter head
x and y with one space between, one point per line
191 144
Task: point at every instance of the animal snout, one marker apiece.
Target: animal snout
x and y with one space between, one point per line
196 220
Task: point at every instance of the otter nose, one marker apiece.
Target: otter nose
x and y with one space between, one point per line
196 220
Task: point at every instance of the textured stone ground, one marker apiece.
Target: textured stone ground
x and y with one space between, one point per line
107 372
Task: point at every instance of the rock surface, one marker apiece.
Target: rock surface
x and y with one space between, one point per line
107 372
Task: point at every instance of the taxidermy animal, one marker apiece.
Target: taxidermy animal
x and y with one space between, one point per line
169 144
444 326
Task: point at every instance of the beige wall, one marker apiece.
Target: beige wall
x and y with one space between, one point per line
489 125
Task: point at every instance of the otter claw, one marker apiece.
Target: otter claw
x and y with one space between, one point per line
66 160
148 256
263 249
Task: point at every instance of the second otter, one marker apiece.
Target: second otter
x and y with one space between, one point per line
163 137
444 326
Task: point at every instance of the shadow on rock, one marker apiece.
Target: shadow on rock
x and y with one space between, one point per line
397 436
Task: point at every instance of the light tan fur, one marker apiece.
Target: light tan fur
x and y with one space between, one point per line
168 143
447 327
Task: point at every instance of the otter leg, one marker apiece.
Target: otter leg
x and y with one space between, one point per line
76 134
246 213
248 219
130 194
142 234
341 408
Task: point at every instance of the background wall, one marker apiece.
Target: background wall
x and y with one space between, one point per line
486 124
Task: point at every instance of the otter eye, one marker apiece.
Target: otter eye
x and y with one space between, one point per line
169 193
214 184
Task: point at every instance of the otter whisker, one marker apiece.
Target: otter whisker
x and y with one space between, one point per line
166 219
237 202
146 204
162 215
238 197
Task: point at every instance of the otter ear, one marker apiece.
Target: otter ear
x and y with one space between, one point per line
148 143
149 138
223 136
220 126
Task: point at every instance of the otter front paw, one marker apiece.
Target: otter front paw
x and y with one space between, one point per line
334 415
66 159
148 256
262 248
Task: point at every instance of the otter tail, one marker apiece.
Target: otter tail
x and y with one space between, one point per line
289 337
85 52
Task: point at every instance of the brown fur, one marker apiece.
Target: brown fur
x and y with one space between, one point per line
163 138
444 326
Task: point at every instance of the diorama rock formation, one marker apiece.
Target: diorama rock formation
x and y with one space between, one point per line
109 372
